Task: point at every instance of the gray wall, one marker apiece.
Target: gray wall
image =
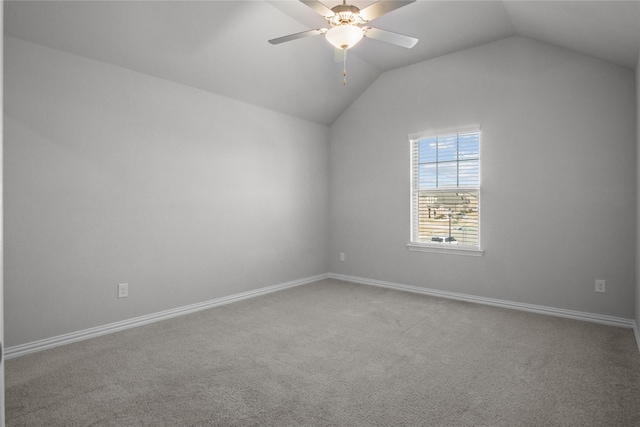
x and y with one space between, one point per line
2 401
558 176
112 176
638 199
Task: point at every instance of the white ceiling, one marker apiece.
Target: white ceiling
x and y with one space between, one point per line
221 46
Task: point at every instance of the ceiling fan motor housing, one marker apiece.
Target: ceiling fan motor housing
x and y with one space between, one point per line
345 14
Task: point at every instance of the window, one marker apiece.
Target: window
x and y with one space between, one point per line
445 190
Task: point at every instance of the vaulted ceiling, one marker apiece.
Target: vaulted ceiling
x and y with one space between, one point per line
221 46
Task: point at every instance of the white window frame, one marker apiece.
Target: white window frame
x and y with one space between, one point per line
440 248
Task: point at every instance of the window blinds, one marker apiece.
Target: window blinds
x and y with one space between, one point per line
445 188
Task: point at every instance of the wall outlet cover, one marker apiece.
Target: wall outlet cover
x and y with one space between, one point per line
123 290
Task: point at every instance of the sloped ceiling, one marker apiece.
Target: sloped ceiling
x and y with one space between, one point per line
221 46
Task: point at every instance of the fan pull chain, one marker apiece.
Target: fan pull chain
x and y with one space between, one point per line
344 71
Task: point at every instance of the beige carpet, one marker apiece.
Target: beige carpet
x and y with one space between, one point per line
336 354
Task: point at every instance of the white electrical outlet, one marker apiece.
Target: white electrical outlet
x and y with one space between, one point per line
600 286
123 290
341 256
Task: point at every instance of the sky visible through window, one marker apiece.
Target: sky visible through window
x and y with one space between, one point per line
449 161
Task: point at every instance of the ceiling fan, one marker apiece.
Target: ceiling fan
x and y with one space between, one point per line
349 25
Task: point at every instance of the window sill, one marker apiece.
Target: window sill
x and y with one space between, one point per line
445 249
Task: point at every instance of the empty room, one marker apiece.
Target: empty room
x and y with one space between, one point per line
320 213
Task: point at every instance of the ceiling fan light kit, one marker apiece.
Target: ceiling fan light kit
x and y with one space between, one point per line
346 30
344 36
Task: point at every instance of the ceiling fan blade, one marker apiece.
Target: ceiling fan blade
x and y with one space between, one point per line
319 7
380 8
297 36
389 37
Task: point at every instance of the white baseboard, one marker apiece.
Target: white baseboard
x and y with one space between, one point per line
32 347
552 311
47 343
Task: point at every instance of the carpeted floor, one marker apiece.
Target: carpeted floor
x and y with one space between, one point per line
336 354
